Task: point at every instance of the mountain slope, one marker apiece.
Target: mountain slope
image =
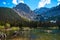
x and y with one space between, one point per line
24 11
55 11
23 7
41 10
51 14
9 15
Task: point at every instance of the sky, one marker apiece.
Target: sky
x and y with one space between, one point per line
33 4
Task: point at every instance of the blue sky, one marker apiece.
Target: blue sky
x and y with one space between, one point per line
33 4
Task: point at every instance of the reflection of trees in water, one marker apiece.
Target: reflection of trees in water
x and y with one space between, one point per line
35 33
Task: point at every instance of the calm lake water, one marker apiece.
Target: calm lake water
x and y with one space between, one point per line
37 34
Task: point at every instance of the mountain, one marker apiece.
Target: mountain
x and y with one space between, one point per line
10 16
41 10
23 7
55 11
40 13
51 14
24 11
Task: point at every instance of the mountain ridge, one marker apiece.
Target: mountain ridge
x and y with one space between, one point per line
52 12
25 11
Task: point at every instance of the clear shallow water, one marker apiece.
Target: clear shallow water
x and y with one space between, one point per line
37 34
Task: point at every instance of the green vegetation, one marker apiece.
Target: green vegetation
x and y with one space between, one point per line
8 15
28 33
11 22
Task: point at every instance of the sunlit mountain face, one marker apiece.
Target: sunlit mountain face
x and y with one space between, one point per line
25 11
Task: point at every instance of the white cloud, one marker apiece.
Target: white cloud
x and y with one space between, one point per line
58 2
14 2
20 1
4 2
42 3
17 1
